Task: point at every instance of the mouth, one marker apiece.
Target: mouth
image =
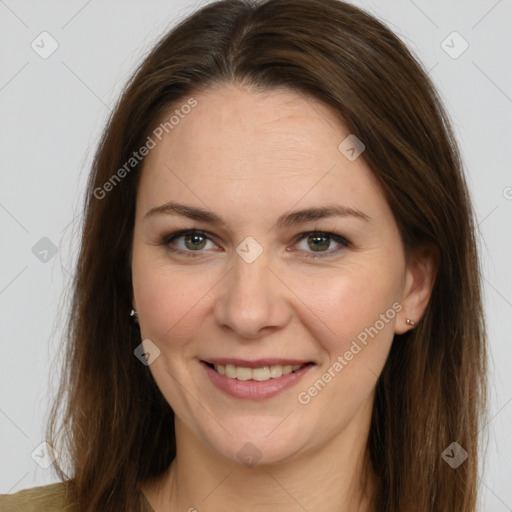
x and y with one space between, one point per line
255 380
260 373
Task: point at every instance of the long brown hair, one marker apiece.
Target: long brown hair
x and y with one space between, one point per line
116 426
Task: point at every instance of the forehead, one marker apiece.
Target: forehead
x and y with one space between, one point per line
273 147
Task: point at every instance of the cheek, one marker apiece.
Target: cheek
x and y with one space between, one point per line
359 305
353 322
167 300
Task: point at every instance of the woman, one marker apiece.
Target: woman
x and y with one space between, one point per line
277 301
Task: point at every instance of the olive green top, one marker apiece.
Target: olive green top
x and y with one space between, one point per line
47 498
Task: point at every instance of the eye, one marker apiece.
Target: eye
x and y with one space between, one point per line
320 241
192 242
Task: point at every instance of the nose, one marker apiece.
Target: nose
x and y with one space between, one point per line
252 301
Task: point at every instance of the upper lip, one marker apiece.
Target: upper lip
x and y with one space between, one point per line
257 363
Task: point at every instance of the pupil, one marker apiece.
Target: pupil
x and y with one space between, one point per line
316 245
194 238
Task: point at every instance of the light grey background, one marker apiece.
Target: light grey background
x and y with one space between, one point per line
52 111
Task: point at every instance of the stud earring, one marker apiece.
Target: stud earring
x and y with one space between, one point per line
410 322
133 313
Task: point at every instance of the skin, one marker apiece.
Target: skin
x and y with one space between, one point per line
251 157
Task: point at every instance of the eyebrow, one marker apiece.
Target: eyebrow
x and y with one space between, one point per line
284 221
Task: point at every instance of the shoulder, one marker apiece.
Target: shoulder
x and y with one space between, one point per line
46 498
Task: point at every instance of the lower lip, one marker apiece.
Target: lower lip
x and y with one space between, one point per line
252 389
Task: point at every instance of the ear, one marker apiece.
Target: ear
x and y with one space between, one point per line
420 276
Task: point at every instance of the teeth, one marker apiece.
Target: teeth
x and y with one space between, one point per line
276 371
258 374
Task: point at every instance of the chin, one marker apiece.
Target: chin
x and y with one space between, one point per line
252 446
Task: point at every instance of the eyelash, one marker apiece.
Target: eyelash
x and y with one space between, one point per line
167 239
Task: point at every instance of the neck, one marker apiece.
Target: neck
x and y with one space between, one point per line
336 477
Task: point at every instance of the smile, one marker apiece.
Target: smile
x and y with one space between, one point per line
258 381
260 374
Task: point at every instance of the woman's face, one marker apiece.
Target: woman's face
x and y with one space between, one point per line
294 261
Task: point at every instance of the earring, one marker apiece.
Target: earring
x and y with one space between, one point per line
410 322
133 313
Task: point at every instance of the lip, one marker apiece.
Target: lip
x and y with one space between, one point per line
251 389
